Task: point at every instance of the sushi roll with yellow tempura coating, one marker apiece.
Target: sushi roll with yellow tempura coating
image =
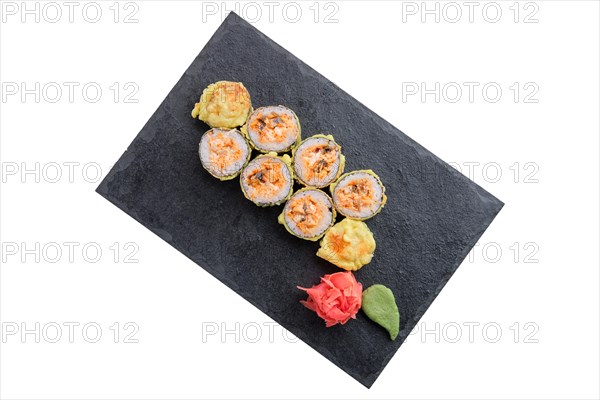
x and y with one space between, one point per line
318 161
268 180
358 194
223 105
349 244
308 214
272 128
224 152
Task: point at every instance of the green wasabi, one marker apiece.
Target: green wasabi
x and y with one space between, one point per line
380 306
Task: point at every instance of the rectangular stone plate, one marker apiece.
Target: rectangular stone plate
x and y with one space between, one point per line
433 217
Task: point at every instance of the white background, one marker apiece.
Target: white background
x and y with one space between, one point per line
541 293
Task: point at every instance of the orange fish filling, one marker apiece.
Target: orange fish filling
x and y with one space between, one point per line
267 179
273 127
305 212
318 161
356 195
224 150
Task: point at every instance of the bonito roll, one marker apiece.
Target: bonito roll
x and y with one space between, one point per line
358 194
223 104
308 214
224 152
318 161
273 128
268 180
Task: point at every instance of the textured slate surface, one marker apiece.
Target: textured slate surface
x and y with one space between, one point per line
433 217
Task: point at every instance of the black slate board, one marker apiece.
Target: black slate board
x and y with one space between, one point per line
433 218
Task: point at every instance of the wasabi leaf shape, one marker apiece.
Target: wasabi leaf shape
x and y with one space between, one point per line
380 306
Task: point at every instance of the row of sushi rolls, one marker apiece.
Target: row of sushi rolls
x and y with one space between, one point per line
317 164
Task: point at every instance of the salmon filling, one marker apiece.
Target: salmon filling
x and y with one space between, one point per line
224 151
268 179
273 127
306 213
318 161
356 195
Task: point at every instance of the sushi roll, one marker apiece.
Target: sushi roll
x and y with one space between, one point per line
224 152
318 161
223 105
308 214
268 180
358 194
273 128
